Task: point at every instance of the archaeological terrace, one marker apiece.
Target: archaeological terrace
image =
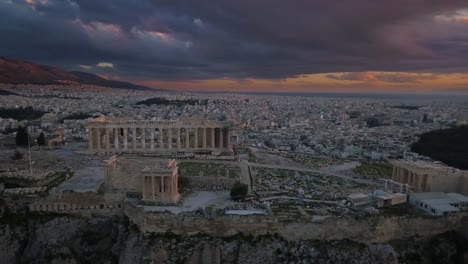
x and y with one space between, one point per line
190 135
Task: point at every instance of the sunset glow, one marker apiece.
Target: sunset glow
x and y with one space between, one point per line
308 46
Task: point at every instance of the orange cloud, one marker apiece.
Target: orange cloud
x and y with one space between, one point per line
345 81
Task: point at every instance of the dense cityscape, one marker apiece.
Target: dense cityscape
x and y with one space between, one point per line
285 159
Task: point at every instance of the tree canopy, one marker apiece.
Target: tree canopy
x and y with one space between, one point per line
447 145
239 191
41 140
22 136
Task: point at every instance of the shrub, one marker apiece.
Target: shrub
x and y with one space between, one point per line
239 191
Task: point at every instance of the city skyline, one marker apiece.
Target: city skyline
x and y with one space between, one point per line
305 46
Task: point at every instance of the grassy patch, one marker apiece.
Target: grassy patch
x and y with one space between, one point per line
374 169
190 169
309 160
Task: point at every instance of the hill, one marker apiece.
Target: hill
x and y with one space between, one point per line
447 145
89 78
23 72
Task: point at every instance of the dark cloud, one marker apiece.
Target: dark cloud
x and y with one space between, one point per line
166 39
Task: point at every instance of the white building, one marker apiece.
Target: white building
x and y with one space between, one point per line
439 203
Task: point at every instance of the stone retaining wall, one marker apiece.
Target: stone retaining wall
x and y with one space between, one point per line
69 208
378 229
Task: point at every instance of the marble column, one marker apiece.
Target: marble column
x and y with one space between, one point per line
116 138
169 137
107 139
162 184
196 137
213 138
178 138
418 182
143 138
204 138
125 137
228 138
143 187
187 138
152 138
98 137
90 138
160 135
221 138
152 186
134 138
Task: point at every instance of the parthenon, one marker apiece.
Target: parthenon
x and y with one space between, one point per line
430 177
123 135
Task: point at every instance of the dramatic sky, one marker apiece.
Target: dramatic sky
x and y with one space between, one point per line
248 45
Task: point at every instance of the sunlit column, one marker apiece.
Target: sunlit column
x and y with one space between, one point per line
187 138
152 186
90 138
152 138
125 137
143 185
143 138
169 137
162 184
107 139
221 143
178 138
228 137
196 137
134 138
116 138
204 138
98 137
160 135
212 137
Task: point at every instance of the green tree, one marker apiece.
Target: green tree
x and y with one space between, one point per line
239 191
183 182
41 140
22 136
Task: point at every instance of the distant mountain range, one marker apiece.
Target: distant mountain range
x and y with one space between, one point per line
23 72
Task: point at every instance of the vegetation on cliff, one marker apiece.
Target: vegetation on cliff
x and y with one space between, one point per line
447 145
374 169
26 113
175 102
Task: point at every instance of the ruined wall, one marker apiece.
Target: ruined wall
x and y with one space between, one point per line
81 198
78 208
75 202
372 229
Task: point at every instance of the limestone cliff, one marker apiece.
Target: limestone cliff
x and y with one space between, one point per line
48 238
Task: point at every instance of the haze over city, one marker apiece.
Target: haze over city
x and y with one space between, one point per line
305 46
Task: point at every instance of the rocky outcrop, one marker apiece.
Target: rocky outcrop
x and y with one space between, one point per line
48 238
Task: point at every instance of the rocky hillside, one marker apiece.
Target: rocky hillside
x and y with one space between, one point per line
46 238
23 72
